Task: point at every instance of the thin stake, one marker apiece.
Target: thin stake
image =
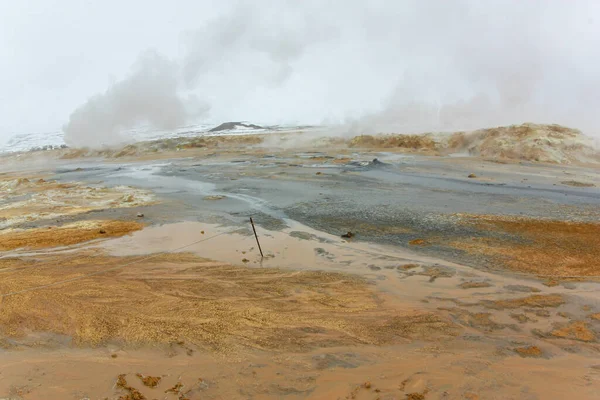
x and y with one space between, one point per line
256 236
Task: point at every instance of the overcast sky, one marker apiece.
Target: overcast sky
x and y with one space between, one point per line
422 64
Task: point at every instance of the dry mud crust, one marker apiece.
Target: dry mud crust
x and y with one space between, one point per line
208 304
30 199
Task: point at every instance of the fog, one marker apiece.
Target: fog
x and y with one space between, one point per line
359 67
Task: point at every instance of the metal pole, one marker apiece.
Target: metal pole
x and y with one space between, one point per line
256 236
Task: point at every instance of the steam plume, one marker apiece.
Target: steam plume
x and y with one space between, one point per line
368 67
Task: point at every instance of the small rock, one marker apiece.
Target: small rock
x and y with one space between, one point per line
348 235
102 231
318 173
140 215
245 260
472 176
215 197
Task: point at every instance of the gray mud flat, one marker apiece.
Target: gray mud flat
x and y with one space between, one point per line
394 200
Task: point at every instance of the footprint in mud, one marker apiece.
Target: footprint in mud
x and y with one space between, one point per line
328 361
522 288
309 236
324 253
432 271
474 285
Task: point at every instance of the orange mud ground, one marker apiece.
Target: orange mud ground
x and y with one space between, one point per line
65 235
181 297
535 246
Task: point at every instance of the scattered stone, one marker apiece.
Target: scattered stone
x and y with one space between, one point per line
214 197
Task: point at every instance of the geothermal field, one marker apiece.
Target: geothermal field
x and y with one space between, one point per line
426 266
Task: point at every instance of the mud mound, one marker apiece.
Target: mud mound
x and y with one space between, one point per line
154 148
65 235
413 142
530 142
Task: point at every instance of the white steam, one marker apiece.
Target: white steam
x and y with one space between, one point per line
368 67
150 94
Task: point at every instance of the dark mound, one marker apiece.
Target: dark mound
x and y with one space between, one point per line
227 126
366 165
